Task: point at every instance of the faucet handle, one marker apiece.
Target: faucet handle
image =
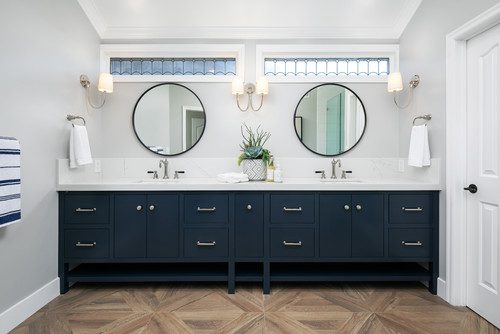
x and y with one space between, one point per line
154 172
345 172
177 172
322 172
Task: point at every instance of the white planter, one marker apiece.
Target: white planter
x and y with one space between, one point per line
256 169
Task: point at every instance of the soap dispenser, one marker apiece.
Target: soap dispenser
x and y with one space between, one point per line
278 176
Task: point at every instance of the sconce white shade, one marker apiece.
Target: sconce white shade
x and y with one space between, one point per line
262 86
237 87
395 82
105 83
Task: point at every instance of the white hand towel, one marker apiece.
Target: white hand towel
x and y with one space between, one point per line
232 177
79 147
419 153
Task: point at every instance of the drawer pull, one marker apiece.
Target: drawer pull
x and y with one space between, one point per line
417 209
84 244
86 209
292 244
406 243
205 244
212 209
299 209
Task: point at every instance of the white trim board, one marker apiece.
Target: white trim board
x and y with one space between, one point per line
107 32
26 307
262 51
108 51
456 154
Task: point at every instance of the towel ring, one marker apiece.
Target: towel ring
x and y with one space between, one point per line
427 118
71 118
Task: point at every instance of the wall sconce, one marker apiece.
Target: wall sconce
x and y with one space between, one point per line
239 88
395 84
104 86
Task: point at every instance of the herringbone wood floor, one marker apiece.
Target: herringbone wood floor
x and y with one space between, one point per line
318 308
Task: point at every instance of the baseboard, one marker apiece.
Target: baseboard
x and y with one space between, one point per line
441 288
21 311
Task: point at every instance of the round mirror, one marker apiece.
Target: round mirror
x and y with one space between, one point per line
169 119
330 119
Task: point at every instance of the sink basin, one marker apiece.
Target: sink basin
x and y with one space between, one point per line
158 181
341 180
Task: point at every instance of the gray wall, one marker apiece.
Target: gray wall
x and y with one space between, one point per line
423 52
222 133
46 45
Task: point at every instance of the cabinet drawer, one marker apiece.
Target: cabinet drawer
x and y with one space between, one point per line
410 209
206 208
292 208
205 242
410 242
86 209
292 242
86 244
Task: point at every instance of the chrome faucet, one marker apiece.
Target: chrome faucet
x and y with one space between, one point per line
334 163
164 162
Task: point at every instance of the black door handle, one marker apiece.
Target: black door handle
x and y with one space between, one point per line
472 188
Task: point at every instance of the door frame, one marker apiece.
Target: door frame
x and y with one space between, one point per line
185 109
456 159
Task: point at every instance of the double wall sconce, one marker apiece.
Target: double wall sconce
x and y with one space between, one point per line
104 86
240 88
395 85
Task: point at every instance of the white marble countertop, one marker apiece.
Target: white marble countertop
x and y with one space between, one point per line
207 184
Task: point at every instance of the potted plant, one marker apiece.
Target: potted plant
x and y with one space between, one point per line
254 157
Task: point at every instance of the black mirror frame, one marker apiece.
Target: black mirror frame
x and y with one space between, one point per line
295 116
135 108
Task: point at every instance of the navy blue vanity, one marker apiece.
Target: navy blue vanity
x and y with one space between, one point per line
254 236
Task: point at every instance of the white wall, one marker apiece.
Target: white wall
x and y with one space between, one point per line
423 52
46 45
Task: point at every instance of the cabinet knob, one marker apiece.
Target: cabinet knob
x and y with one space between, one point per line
249 207
151 207
139 208
358 207
347 207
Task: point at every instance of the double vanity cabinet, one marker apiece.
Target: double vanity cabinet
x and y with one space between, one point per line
248 236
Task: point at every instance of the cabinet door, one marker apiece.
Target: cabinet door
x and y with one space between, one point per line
249 225
335 225
163 226
367 225
130 226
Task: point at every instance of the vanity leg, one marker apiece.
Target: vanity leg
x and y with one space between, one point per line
231 278
63 281
266 280
433 268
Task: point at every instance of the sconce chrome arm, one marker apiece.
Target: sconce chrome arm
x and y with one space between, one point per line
249 102
249 90
85 82
413 83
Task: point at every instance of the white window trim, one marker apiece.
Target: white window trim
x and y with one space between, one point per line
390 51
108 51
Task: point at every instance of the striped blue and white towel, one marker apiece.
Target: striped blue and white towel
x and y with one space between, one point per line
10 181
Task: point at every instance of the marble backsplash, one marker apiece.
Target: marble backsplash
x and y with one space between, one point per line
121 168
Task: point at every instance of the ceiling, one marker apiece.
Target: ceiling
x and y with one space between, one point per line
250 19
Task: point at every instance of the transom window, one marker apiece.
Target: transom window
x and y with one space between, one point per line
316 67
173 66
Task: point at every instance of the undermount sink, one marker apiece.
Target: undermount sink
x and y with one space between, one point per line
158 181
341 180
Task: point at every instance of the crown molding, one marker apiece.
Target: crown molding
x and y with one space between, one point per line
107 32
405 17
90 9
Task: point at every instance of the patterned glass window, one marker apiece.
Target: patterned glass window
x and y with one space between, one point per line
173 66
315 67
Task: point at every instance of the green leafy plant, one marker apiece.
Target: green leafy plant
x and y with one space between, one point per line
253 143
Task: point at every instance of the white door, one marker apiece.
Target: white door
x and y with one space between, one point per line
483 170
